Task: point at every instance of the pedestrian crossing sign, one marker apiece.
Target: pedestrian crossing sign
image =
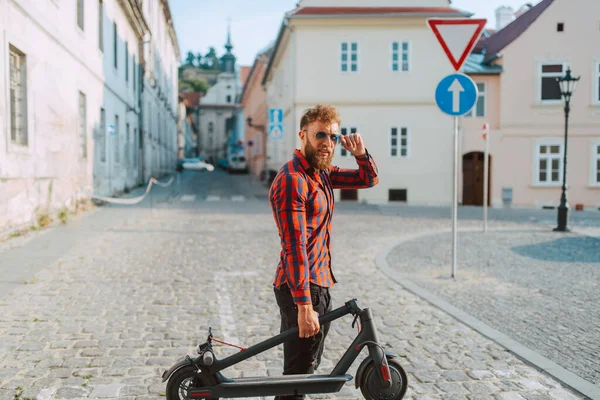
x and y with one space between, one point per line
275 124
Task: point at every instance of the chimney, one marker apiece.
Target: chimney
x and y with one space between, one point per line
504 16
524 8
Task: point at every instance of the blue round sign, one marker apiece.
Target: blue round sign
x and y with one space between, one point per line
456 94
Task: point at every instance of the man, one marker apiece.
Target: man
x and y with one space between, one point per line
302 202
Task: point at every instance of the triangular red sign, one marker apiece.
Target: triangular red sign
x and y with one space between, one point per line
457 37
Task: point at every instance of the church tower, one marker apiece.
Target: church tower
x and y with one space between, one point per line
228 60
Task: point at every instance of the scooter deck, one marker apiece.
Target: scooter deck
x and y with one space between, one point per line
274 385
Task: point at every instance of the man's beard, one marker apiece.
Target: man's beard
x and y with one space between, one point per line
316 160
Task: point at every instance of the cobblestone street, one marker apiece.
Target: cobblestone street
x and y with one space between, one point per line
539 287
140 286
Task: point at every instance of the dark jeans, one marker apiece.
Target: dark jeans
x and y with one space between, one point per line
301 355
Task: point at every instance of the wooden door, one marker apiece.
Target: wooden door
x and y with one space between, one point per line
473 179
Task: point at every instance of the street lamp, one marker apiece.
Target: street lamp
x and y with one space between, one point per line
567 85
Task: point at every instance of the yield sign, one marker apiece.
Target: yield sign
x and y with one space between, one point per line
457 37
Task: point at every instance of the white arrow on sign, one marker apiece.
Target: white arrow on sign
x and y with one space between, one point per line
456 88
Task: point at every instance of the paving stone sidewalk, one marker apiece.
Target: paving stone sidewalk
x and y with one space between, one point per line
539 287
142 286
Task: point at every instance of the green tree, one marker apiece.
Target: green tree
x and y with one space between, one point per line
211 60
193 85
199 60
190 58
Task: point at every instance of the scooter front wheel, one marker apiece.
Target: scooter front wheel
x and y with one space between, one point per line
184 379
371 386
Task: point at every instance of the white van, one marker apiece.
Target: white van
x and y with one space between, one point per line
237 163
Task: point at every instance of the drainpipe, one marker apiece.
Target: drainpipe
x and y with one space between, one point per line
140 132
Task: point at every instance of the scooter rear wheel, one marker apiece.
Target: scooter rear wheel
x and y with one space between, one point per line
372 388
184 379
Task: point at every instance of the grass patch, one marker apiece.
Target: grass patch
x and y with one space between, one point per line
44 220
63 215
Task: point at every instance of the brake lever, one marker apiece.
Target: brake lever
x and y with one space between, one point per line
355 318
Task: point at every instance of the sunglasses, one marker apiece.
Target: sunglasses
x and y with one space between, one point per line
322 136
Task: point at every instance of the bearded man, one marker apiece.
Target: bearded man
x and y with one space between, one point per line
302 201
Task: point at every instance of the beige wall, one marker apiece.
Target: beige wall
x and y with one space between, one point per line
524 119
375 99
318 61
427 171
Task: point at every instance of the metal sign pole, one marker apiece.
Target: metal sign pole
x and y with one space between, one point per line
454 197
457 93
485 178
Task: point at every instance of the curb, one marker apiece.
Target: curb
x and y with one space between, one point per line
542 363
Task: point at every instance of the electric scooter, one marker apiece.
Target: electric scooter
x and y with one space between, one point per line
379 376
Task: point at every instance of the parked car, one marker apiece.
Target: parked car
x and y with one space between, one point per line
237 163
197 165
188 160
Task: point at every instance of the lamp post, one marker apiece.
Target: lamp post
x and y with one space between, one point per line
567 85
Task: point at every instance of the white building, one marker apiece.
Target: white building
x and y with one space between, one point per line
118 33
218 110
160 96
70 105
379 63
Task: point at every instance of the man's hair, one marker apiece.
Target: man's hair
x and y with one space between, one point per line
321 112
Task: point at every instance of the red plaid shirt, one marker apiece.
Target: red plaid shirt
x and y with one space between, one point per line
302 202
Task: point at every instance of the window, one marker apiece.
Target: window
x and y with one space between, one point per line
102 135
133 67
159 125
126 62
550 89
349 194
126 150
228 99
345 131
134 147
101 25
210 127
397 195
399 142
549 165
18 97
560 27
400 56
480 105
115 43
80 13
596 164
349 61
117 153
597 80
82 127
